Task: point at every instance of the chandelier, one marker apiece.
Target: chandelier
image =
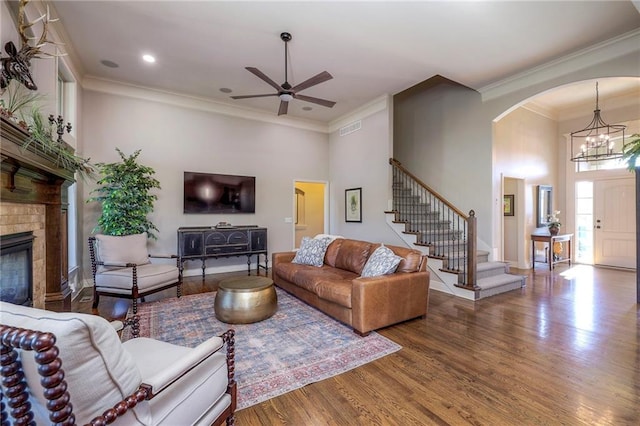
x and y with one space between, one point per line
597 141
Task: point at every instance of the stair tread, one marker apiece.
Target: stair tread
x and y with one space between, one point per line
486 266
498 280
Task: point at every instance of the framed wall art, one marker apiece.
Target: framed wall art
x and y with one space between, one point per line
507 205
353 205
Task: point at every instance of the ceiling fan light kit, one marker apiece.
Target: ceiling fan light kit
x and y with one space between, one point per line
286 92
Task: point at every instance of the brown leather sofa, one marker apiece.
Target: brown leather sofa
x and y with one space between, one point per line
365 304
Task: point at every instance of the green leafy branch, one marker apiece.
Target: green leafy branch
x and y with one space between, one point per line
631 152
125 196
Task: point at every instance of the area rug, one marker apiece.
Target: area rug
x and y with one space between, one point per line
297 346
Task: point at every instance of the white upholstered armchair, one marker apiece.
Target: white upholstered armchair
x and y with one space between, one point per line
70 368
122 267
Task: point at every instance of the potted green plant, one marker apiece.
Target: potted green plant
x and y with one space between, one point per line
126 198
631 152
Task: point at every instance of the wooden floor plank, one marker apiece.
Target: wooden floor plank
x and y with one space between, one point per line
563 350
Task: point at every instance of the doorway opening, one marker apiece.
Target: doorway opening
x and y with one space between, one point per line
310 209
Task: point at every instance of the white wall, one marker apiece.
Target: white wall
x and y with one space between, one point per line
525 147
440 136
361 160
175 139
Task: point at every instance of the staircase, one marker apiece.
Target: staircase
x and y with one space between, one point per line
427 222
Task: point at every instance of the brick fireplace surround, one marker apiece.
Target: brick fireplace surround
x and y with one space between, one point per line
16 218
32 199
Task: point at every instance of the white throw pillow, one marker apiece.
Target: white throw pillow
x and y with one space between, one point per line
311 251
382 261
122 249
327 236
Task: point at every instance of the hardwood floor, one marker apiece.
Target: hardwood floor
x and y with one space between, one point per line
565 350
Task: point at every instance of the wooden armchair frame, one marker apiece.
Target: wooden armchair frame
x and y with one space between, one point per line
55 387
135 292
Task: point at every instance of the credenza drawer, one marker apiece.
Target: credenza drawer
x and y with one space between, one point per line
213 250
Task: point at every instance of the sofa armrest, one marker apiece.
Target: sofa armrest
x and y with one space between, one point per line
283 257
388 299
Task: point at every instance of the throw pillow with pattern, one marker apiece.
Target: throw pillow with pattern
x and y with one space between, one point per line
311 251
382 261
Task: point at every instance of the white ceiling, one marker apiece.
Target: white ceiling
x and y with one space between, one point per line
370 48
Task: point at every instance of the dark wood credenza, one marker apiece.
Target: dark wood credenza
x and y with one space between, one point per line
204 242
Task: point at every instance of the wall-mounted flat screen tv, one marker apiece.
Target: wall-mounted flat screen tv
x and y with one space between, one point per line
219 194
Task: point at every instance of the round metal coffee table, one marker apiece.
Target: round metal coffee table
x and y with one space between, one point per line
243 300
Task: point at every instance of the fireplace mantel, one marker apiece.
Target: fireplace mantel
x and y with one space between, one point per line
31 177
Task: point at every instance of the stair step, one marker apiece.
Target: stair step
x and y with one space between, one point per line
412 215
500 285
499 280
488 269
411 207
439 235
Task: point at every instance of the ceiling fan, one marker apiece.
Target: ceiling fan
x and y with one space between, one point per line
286 92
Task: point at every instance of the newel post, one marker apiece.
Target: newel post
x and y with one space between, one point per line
472 249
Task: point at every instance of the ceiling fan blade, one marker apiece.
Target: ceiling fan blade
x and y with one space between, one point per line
284 106
264 77
318 101
317 79
253 96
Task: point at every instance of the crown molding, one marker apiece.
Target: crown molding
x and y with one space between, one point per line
598 53
378 104
541 110
140 92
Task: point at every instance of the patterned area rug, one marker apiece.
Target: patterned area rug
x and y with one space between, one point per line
297 346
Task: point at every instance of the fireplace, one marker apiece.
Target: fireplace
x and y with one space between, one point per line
33 193
16 268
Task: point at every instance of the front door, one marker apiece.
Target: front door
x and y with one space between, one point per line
615 227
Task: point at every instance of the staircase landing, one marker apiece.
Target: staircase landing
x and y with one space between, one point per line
492 277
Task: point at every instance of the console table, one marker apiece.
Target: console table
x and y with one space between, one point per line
203 242
550 240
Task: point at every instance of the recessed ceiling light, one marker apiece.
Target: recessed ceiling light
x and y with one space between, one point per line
307 108
108 63
226 90
148 58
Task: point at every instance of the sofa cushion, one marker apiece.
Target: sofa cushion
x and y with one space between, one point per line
336 291
287 270
411 259
311 251
353 255
382 261
308 277
332 252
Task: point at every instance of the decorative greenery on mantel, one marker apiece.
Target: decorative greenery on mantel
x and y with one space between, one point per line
21 108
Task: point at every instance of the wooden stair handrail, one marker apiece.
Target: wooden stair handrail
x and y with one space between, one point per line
398 164
471 268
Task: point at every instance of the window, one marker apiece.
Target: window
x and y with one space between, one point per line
66 107
584 222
